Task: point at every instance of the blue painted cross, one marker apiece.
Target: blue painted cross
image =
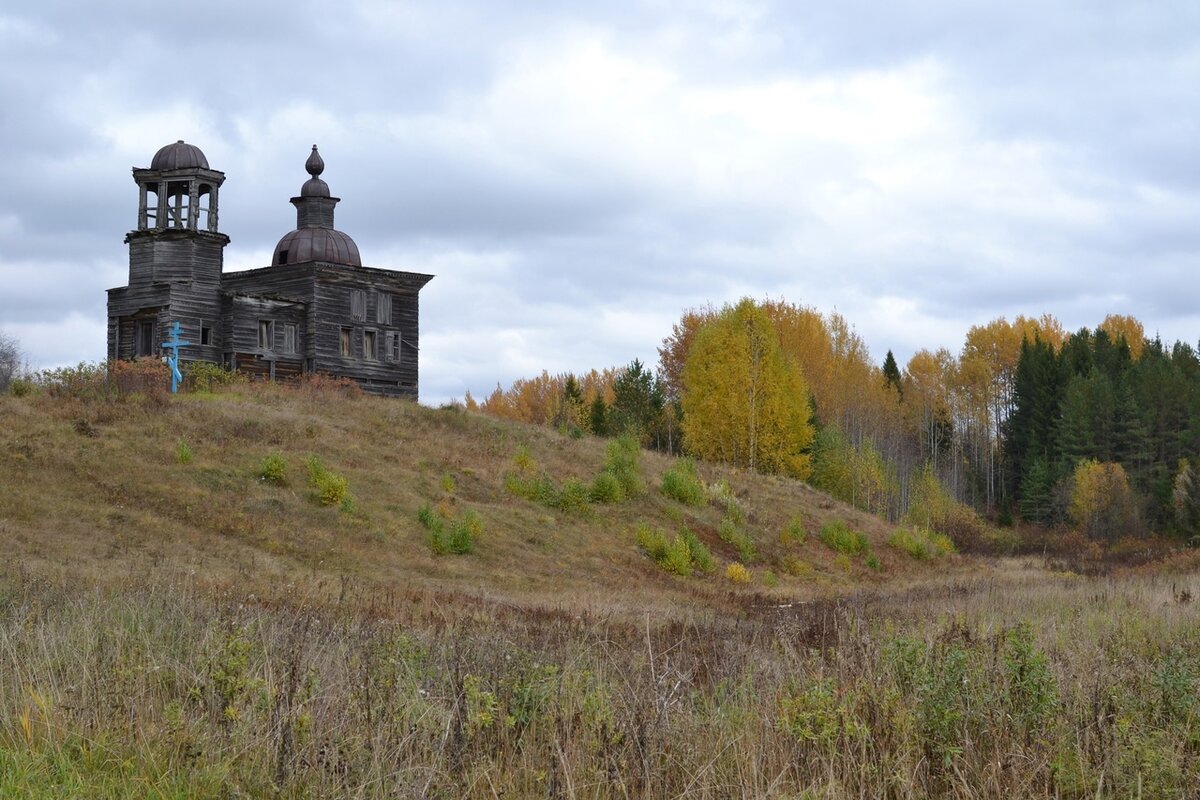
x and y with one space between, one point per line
173 344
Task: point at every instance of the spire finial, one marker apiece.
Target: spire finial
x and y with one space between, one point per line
315 164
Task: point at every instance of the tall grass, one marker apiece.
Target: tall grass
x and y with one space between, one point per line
1064 689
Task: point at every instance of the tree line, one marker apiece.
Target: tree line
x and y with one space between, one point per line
1098 429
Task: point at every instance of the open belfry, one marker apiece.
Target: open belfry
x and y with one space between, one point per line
316 308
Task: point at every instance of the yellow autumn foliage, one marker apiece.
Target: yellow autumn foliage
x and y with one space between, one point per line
745 402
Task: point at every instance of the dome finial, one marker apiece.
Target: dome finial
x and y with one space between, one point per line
315 164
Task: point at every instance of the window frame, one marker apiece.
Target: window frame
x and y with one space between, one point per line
266 331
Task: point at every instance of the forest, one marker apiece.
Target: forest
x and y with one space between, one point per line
1096 432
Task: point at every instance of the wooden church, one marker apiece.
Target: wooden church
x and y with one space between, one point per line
315 309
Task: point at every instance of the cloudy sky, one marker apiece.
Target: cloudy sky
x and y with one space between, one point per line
577 174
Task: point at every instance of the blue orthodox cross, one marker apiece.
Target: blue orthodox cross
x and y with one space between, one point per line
173 344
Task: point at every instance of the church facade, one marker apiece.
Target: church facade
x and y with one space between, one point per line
316 308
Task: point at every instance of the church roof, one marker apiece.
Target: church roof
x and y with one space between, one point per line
179 155
316 244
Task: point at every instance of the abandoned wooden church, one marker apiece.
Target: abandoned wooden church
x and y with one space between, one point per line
315 309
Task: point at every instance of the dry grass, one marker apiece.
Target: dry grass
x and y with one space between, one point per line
96 490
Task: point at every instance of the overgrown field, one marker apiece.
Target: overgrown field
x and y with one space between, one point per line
1023 684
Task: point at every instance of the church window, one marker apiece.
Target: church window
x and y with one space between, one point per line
369 345
266 334
205 335
143 344
358 304
383 309
289 338
346 342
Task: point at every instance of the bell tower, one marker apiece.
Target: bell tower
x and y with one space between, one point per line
177 238
176 254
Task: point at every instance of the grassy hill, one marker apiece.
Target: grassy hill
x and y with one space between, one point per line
174 625
109 490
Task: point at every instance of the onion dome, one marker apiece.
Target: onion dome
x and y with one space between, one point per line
179 155
315 238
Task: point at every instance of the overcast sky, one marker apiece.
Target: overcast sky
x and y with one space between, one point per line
577 176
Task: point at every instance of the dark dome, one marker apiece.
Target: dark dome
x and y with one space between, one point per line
314 187
179 155
316 244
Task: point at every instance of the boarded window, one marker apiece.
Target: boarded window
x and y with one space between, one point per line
346 342
369 345
143 344
358 304
266 334
394 344
289 338
383 309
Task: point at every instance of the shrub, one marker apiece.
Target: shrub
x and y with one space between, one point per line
622 458
572 497
272 469
523 460
464 533
682 482
794 532
729 533
737 573
332 489
838 537
770 579
681 555
701 557
183 453
448 485
204 376
22 387
459 540
921 544
606 489
796 567
873 562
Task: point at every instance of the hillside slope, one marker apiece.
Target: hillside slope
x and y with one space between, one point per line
106 491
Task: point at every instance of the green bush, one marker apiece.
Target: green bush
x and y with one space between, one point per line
873 562
794 532
701 557
272 469
464 533
729 533
183 453
838 537
682 482
21 387
682 555
920 543
622 458
572 497
459 540
607 489
332 489
204 376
